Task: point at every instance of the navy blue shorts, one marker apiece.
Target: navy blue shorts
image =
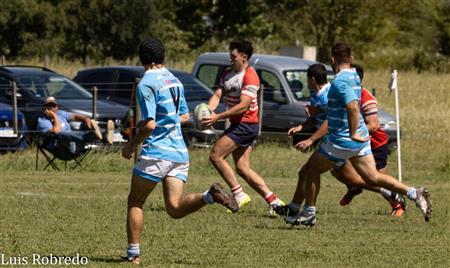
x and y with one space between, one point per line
381 154
242 134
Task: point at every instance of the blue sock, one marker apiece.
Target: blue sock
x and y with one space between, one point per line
208 198
133 250
411 194
309 209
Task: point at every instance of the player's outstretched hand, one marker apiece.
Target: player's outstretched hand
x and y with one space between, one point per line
304 145
294 130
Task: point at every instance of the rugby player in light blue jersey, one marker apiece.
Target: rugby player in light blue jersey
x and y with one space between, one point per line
164 156
348 139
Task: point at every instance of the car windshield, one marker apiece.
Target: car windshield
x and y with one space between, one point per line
194 89
54 85
298 83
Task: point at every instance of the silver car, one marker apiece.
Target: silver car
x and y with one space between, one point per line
285 90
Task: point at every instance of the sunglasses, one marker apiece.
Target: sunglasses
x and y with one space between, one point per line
50 105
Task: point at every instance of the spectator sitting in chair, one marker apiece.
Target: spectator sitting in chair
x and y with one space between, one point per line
57 122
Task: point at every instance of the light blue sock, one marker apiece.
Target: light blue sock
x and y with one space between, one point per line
208 198
310 210
412 193
133 250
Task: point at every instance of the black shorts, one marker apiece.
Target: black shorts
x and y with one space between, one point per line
242 134
381 154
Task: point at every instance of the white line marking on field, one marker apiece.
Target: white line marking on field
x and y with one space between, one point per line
31 194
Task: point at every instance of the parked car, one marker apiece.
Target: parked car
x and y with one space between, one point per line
36 83
285 90
115 83
10 141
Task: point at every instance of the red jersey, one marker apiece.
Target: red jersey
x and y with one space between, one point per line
369 105
234 84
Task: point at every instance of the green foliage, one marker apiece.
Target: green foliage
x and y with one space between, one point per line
403 34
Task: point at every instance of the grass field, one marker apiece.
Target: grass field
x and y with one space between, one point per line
83 212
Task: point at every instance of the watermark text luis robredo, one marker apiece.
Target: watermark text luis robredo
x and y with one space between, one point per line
40 259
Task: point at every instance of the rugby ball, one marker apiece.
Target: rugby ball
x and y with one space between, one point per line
201 111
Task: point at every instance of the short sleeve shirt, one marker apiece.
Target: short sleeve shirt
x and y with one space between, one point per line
320 100
44 124
236 84
345 88
369 106
158 93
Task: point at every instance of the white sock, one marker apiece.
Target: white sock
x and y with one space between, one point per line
411 194
385 192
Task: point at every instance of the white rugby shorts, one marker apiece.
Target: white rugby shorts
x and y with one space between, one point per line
157 169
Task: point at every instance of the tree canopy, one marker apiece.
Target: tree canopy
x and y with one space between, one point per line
404 33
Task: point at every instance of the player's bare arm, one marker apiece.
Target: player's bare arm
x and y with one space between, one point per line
144 130
372 122
184 119
215 99
319 134
353 121
235 110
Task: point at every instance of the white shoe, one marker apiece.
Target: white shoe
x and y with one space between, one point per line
423 202
302 218
274 207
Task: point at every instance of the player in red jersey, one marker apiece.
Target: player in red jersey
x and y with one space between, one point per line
239 86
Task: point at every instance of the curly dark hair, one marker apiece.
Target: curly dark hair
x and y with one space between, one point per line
242 46
151 51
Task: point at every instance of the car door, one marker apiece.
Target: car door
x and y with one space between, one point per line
123 87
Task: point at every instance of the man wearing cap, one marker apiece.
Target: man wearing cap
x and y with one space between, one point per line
57 121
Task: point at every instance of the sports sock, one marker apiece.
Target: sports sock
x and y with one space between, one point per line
270 198
412 193
310 210
385 192
133 250
208 198
238 193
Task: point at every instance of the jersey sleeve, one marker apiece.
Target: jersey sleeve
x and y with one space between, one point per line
250 83
345 92
369 104
147 101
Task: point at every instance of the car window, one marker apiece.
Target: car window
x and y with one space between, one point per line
208 74
101 80
273 90
194 89
58 86
298 84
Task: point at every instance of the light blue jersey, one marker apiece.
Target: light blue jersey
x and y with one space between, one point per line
345 88
320 100
45 124
158 93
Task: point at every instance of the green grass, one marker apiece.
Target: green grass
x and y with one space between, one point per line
65 213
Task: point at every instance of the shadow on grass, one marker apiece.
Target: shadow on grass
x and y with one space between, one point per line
108 260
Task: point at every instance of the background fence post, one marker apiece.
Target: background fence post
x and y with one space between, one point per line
14 105
3 60
94 101
46 61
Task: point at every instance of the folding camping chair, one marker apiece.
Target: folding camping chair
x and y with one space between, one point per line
54 147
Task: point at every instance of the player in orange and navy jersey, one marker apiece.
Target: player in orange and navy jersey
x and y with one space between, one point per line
239 87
